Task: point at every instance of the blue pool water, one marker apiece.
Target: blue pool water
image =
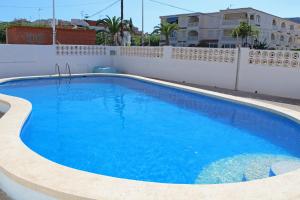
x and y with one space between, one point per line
131 129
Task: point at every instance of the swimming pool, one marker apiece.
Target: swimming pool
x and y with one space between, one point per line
131 129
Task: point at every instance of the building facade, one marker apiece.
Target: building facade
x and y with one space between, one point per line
215 29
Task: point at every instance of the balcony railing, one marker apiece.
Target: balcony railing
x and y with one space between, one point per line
228 38
193 38
275 28
173 39
233 22
193 24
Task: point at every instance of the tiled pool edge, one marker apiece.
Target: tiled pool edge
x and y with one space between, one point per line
28 169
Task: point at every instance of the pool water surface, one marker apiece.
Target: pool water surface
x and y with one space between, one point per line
132 129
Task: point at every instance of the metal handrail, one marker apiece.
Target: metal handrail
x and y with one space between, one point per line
68 68
57 67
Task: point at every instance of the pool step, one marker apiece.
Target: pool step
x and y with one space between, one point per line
284 167
242 168
276 169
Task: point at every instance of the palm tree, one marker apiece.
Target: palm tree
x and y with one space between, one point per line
165 29
113 26
244 30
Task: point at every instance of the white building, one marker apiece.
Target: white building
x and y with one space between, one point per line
215 29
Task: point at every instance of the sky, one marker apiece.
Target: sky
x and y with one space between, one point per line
68 9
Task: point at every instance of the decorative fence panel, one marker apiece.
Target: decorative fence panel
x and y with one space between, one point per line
205 54
80 50
146 52
274 58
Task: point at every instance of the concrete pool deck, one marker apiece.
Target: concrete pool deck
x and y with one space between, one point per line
293 104
40 175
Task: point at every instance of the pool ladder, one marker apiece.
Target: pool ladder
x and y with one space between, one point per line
58 69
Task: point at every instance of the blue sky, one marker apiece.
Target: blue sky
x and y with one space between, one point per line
67 9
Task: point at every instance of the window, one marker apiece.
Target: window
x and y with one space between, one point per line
274 23
257 19
193 19
290 40
193 35
283 25
273 37
172 20
282 38
292 27
251 17
173 34
227 32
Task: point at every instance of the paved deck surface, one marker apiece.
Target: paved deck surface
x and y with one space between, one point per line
3 196
293 104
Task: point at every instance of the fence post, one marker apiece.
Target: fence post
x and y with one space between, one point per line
238 68
167 52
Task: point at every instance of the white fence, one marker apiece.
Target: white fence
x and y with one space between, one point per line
214 67
268 72
26 60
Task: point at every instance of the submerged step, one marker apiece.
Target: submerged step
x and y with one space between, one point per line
241 168
284 167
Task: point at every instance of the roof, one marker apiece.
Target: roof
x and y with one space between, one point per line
235 9
91 22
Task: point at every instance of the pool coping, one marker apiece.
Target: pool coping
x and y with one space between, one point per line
31 170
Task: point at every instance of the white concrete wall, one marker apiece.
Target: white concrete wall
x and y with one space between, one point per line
28 60
272 79
189 70
274 73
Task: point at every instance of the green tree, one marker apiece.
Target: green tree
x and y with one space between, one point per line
136 40
244 31
103 38
260 45
153 39
165 29
113 26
